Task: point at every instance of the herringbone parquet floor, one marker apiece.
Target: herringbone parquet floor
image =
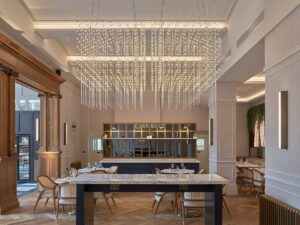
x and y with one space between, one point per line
132 209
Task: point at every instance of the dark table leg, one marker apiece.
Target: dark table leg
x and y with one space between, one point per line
213 206
84 206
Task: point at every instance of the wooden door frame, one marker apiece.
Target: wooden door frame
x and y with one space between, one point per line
17 65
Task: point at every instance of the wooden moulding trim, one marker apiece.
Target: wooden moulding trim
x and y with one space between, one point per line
8 71
50 95
12 48
8 157
49 153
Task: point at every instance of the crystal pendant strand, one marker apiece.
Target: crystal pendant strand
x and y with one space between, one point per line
178 63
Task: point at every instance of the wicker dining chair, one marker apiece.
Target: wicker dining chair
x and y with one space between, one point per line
66 196
160 196
224 203
47 190
258 181
104 195
191 200
247 179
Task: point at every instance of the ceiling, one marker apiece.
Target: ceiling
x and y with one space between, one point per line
123 9
120 10
145 10
251 89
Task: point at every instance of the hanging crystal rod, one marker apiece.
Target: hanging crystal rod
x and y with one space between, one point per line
136 58
75 25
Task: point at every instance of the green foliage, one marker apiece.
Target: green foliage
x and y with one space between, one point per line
255 113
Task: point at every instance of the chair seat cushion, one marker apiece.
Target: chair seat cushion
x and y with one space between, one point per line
194 196
194 204
165 195
67 201
48 194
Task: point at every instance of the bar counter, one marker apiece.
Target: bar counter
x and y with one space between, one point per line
148 165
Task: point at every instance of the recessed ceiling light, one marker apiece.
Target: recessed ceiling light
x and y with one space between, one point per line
258 79
250 98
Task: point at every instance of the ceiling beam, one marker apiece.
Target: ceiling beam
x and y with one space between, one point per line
75 25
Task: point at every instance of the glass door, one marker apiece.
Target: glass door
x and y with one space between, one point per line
23 151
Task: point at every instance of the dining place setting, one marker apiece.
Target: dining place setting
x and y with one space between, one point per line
184 204
63 192
177 170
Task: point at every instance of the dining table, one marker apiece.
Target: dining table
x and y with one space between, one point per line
247 165
211 184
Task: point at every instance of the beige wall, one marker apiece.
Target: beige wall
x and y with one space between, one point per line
147 114
92 122
282 48
70 114
89 123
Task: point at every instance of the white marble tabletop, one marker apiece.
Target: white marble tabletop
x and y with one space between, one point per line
247 165
148 160
178 171
148 179
63 180
88 170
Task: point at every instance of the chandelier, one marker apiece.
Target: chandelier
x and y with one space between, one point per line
119 63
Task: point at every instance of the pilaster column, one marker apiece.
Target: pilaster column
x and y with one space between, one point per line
50 154
43 122
222 154
8 158
53 132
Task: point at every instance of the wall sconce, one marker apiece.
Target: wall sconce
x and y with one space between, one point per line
37 129
211 131
283 119
65 133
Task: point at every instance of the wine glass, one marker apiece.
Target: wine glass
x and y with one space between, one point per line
73 172
182 165
89 165
172 166
70 172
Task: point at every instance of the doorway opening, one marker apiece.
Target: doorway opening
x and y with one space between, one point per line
27 105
